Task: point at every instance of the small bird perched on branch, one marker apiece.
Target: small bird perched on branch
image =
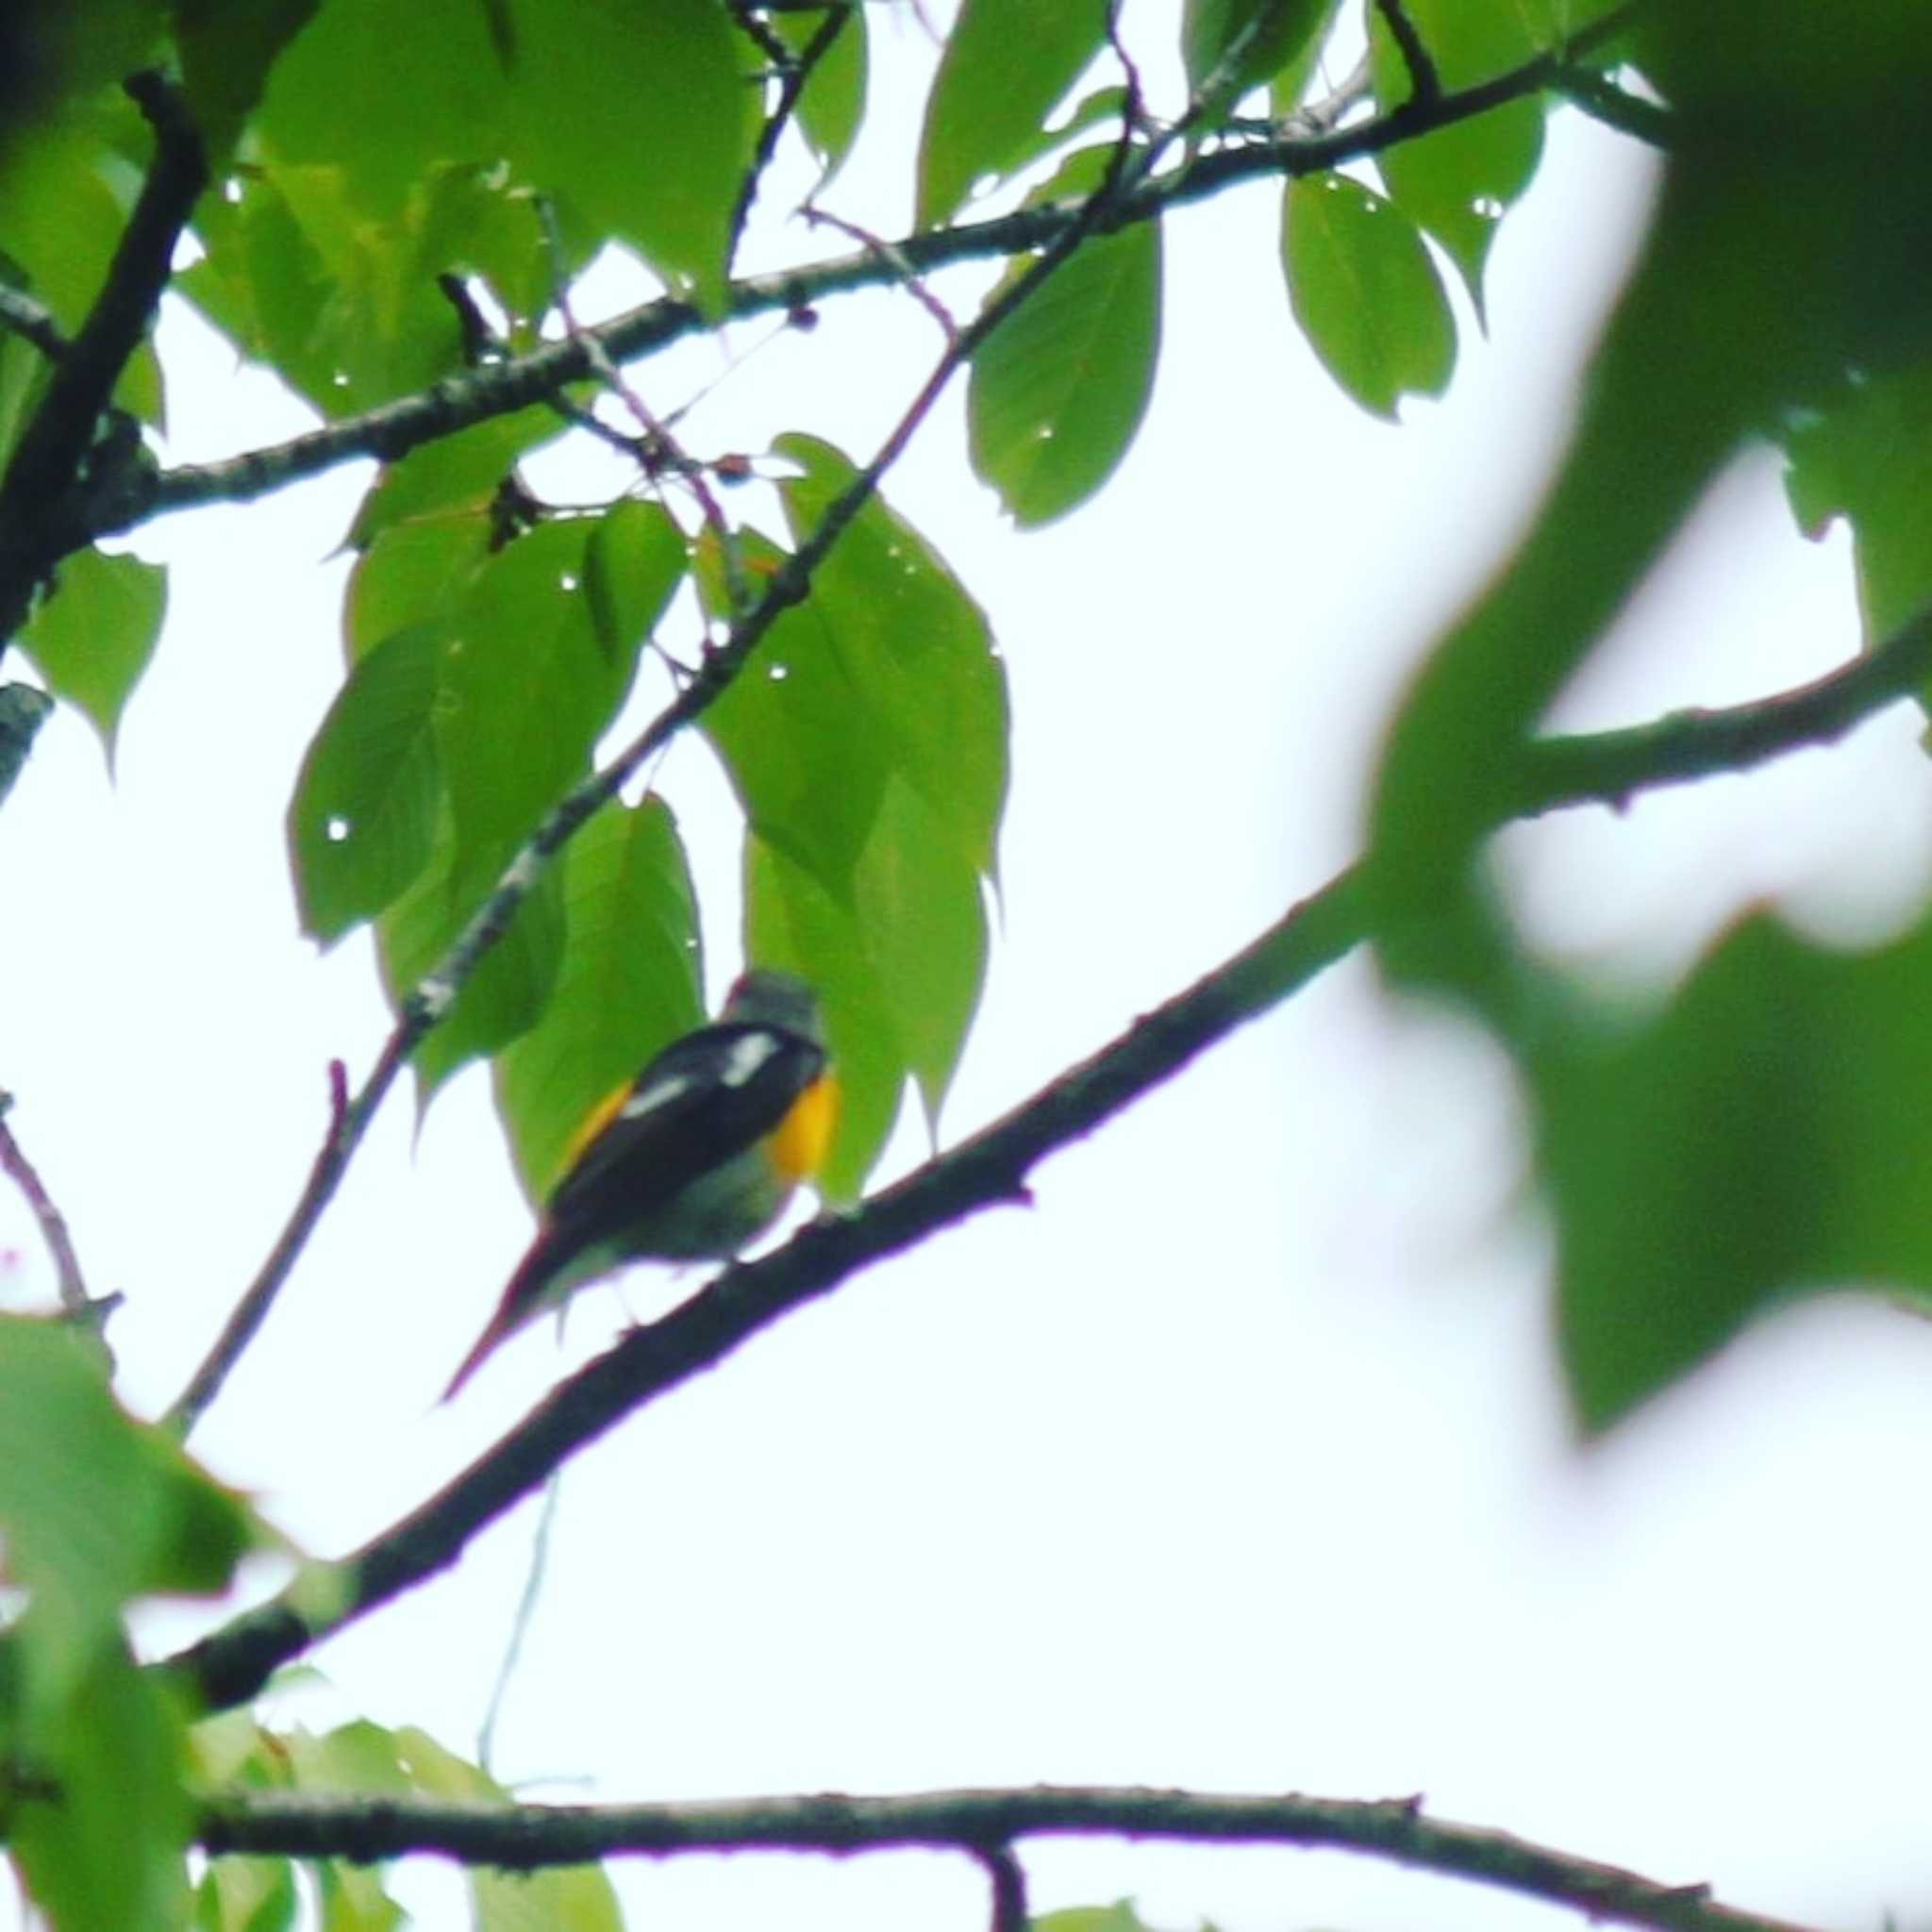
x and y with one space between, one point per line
692 1161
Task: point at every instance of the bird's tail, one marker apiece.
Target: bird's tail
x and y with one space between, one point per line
523 1296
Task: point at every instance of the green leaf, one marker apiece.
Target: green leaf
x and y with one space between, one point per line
414 572
108 1853
59 220
1059 388
629 982
790 730
1457 182
643 116
1760 1137
455 475
915 648
345 309
1366 292
633 563
120 1513
1104 104
528 687
1867 455
1288 88
1268 35
922 916
228 48
1006 63
93 638
246 1896
573 1898
426 85
363 818
833 104
504 995
792 922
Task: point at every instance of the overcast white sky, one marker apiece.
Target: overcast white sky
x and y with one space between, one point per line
1238 1462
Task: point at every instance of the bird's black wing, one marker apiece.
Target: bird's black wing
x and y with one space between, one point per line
707 1096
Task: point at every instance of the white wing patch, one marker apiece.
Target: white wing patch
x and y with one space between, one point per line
649 1099
745 1056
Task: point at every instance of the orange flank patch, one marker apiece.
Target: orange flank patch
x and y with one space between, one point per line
589 1128
803 1136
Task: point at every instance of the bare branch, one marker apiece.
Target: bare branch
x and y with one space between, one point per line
1007 1879
990 1167
38 522
393 429
75 1299
796 71
1425 84
523 1838
32 322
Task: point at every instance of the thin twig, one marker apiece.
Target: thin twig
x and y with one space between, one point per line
654 449
32 322
909 279
990 1167
75 1299
796 71
1007 1883
433 996
1424 83
523 1838
392 429
520 1625
1602 99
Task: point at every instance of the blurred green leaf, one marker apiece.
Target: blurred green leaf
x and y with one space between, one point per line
226 49
1058 390
246 1896
1253 39
427 89
1120 1917
1366 292
644 118
120 1513
1288 87
573 1898
110 1853
364 817
1803 134
1005 64
60 220
633 563
1866 455
833 104
93 636
1763 1135
630 980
